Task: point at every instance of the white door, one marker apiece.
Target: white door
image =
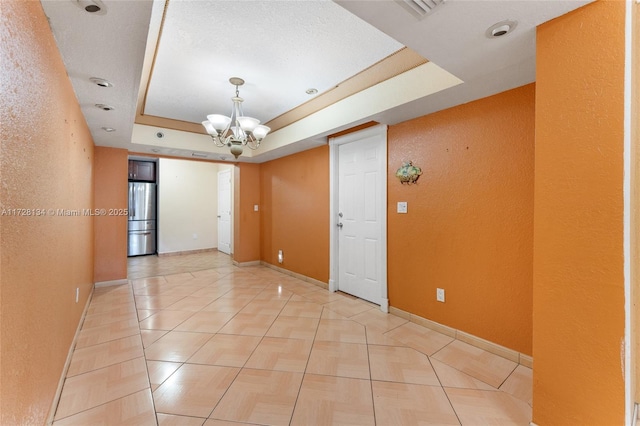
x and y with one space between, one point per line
359 210
224 211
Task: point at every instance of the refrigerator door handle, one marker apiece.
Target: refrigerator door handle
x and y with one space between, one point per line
131 204
140 232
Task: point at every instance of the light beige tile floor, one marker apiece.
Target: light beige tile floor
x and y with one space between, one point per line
194 340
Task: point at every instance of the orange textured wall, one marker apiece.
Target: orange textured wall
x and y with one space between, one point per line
110 193
469 226
246 228
578 302
47 158
295 212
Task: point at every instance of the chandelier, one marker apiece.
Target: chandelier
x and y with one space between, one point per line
236 131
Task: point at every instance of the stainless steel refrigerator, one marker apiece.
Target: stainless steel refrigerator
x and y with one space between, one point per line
142 219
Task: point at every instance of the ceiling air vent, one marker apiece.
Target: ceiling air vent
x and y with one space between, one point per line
420 8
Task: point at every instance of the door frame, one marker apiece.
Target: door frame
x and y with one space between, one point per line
221 171
380 131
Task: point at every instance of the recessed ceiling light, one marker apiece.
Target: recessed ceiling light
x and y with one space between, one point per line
95 7
109 129
101 82
312 91
500 29
105 107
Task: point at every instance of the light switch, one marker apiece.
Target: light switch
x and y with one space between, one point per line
402 206
255 207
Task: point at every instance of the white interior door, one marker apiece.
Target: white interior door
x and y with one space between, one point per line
359 215
224 211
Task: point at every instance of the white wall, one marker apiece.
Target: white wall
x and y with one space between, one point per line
187 205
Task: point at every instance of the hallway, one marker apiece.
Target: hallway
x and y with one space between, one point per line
194 340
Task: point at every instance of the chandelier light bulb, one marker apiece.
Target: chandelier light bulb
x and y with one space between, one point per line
209 128
248 124
219 122
260 132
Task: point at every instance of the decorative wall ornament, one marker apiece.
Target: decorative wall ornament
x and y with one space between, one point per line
408 173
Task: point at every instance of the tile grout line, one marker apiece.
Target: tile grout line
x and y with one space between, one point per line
373 397
245 363
96 369
271 281
224 393
443 389
507 378
239 368
494 389
144 355
304 372
72 348
100 405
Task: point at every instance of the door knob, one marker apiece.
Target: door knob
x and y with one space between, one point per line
340 225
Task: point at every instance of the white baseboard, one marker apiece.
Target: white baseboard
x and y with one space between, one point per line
111 283
251 263
67 363
181 253
526 360
478 342
384 305
301 277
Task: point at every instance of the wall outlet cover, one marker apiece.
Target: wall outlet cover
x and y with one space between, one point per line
402 207
440 295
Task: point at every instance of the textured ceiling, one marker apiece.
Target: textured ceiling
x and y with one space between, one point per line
110 46
277 47
170 61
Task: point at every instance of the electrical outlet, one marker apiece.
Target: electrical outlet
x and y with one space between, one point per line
195 236
440 295
77 294
402 207
280 256
256 208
